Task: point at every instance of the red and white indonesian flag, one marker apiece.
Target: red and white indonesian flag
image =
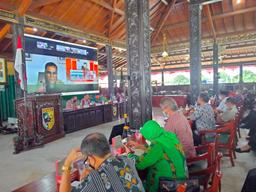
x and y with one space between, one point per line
19 65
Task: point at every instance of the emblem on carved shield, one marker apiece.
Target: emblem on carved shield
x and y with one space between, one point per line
114 108
48 119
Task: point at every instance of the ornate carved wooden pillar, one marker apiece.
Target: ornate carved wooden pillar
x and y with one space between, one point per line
18 30
138 57
241 80
162 75
195 49
110 71
215 68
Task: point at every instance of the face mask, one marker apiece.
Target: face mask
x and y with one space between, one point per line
165 115
88 165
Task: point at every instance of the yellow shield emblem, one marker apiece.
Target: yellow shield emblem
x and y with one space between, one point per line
48 119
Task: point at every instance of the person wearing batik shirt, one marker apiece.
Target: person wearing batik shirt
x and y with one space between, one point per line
162 158
204 114
106 173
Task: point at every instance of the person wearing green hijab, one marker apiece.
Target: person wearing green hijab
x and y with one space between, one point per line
164 157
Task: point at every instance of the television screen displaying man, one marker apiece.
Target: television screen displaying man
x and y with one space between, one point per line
51 77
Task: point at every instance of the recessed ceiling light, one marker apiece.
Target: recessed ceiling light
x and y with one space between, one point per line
35 29
84 41
238 1
165 2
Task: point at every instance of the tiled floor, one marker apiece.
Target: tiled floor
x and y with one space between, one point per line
17 170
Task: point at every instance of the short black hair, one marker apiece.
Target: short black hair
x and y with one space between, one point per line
224 92
95 144
231 100
204 97
50 64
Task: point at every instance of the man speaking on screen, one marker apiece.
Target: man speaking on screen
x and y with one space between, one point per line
51 76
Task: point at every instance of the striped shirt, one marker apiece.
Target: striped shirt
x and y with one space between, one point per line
116 174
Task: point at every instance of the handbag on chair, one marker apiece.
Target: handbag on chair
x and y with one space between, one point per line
169 185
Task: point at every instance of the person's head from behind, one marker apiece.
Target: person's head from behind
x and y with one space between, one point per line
168 105
151 130
230 102
95 148
51 70
223 94
203 98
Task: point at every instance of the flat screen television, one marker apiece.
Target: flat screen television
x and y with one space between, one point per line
54 66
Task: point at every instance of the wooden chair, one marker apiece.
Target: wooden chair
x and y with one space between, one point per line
199 171
216 182
226 141
239 116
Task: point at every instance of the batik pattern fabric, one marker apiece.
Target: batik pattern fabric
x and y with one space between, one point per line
116 174
204 117
160 164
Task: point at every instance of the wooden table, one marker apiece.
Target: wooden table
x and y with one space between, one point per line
45 184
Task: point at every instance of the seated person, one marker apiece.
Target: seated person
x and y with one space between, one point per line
249 121
72 103
203 114
223 97
251 145
249 183
178 124
164 157
230 112
85 101
106 172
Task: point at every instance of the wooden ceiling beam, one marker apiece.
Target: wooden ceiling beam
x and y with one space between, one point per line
111 17
20 11
214 17
4 31
8 56
70 7
158 69
7 46
108 6
203 2
24 7
7 6
209 16
41 3
163 19
208 59
116 25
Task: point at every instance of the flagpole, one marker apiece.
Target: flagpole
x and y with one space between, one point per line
24 79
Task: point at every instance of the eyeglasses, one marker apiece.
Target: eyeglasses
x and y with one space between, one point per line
51 73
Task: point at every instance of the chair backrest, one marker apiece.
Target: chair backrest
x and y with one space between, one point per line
211 154
215 182
231 129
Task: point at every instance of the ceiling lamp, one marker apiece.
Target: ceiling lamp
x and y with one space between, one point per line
34 29
164 53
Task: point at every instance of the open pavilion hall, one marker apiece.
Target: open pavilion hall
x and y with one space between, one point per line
127 95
